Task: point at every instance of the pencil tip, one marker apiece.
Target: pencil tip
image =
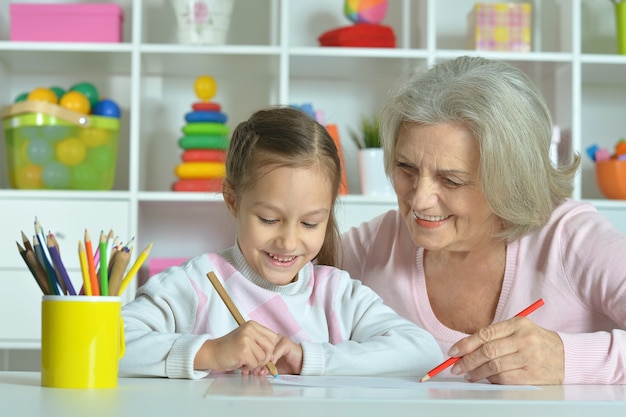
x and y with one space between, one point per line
424 378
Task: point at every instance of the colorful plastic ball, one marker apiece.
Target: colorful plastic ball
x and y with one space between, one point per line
58 91
53 133
84 177
55 175
205 87
21 97
93 137
107 108
101 158
75 101
88 90
28 176
71 151
39 151
43 94
365 11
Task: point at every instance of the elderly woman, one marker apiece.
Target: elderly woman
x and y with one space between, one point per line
484 228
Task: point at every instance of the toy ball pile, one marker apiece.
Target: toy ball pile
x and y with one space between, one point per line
82 98
48 152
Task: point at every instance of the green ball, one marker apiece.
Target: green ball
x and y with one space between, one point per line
89 91
55 176
101 158
58 91
21 97
85 177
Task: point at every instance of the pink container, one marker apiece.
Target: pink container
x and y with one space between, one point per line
100 22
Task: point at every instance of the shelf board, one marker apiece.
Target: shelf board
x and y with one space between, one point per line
65 195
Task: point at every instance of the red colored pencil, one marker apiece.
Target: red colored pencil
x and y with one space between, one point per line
91 266
451 361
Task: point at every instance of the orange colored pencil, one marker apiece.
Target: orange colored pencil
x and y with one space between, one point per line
451 361
91 265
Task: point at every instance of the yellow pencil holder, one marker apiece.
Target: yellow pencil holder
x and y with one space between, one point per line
82 341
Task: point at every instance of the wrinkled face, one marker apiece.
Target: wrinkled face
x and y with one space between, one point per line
436 175
282 220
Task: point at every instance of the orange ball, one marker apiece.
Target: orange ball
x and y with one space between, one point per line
42 94
75 101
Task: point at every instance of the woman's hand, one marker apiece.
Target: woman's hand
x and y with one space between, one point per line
247 348
514 351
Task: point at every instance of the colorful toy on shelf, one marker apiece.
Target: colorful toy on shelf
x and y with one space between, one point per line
54 139
365 11
204 142
367 30
610 169
333 131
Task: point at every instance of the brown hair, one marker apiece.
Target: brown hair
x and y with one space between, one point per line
284 137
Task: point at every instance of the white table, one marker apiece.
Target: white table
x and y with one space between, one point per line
230 396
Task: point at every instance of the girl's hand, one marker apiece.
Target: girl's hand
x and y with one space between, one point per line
248 347
287 357
514 351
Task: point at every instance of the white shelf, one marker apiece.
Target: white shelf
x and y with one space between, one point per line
272 57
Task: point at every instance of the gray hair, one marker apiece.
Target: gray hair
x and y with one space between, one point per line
511 123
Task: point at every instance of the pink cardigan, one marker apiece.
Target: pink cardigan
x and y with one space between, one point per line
576 263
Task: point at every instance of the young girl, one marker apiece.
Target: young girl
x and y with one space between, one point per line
282 180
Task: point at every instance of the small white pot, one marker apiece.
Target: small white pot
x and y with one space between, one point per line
373 180
203 22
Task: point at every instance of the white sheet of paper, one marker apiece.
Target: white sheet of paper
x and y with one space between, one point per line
388 382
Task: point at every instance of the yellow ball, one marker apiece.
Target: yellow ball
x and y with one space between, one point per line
205 87
93 137
75 101
29 176
71 151
42 94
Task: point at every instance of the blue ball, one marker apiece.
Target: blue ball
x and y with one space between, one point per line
107 108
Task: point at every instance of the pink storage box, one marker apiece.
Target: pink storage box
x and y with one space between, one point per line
66 22
500 27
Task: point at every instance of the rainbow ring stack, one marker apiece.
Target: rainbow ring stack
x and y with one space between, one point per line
204 142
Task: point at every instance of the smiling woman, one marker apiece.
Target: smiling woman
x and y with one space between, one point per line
484 227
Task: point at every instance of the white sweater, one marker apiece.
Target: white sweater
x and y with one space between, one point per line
343 326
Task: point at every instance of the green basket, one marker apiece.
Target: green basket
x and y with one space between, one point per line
55 148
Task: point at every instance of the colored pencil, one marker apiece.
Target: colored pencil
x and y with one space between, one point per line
95 287
84 268
40 279
110 252
450 361
47 260
104 265
58 264
34 265
119 263
27 245
135 268
221 291
55 289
